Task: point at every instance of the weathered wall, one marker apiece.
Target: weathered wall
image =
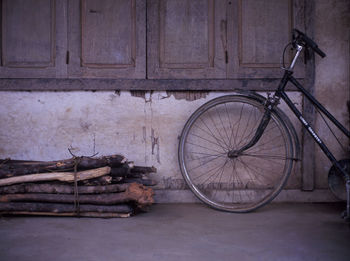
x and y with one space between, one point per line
142 126
332 86
145 127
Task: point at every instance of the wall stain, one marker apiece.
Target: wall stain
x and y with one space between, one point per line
144 141
85 125
155 145
173 183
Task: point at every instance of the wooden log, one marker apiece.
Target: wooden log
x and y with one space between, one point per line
61 188
120 172
144 170
69 214
134 171
100 181
62 208
61 176
10 168
134 193
143 181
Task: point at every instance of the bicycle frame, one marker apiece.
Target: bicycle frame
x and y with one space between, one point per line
280 93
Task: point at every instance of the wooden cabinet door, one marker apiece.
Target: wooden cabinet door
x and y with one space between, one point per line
186 39
33 39
107 38
257 34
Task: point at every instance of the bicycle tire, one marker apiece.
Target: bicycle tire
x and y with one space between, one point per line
248 181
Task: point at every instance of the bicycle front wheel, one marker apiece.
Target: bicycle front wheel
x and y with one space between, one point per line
246 181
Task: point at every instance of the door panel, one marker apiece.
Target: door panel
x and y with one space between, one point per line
110 40
29 38
257 34
184 39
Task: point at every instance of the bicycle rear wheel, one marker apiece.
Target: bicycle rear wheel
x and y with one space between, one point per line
242 183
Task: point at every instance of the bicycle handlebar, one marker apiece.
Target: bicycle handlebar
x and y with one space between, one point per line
303 39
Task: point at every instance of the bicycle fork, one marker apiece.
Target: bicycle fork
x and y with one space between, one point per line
270 103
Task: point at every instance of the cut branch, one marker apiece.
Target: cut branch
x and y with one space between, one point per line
134 193
61 189
62 208
10 168
61 176
69 214
143 181
144 170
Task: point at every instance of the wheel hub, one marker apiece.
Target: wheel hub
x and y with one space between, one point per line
233 154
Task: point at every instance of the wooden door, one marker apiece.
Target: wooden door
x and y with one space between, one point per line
33 39
185 39
257 34
107 39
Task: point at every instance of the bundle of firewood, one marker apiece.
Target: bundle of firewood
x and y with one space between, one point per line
109 186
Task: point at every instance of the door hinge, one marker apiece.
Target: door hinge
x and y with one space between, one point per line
67 57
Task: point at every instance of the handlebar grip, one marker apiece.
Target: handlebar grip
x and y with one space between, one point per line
319 52
310 43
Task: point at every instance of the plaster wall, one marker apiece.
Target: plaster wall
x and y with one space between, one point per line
332 86
145 127
43 125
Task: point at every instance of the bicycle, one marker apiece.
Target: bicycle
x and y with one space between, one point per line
236 152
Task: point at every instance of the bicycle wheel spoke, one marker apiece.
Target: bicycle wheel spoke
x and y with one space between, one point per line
205 163
258 170
219 152
239 123
224 128
218 169
210 135
206 157
256 174
216 128
252 132
231 126
217 140
246 126
221 173
204 139
207 172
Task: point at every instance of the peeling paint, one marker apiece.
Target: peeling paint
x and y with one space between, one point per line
188 95
146 95
140 94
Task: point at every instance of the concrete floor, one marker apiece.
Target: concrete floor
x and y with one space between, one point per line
183 232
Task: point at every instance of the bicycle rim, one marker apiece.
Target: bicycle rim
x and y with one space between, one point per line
243 183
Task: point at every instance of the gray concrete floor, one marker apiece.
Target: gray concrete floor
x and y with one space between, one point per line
183 232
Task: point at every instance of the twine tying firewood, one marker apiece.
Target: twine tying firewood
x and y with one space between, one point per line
76 193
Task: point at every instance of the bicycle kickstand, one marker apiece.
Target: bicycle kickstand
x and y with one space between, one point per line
346 213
